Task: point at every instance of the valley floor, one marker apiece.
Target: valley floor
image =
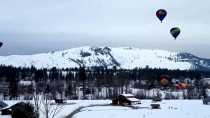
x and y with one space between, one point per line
169 108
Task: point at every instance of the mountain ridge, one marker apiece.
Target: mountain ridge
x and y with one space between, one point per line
122 57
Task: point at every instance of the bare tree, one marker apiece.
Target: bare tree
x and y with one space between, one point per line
49 108
45 105
37 102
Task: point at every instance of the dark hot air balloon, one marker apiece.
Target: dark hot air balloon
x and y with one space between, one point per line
161 14
175 32
1 44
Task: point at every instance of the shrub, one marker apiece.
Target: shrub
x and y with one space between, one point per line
24 110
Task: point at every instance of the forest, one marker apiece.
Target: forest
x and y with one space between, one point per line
98 82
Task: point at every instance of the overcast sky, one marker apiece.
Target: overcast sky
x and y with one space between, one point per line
34 26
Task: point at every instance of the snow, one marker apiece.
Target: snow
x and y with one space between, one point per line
208 92
133 99
65 109
172 108
128 95
25 83
6 116
128 58
135 57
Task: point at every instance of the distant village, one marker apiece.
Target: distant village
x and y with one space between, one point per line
102 83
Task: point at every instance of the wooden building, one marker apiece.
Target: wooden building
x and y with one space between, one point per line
125 99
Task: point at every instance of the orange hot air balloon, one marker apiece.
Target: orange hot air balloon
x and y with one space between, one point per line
184 85
164 82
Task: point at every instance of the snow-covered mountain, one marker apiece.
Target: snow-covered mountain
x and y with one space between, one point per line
123 57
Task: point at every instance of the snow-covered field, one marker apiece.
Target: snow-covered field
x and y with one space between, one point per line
66 109
169 108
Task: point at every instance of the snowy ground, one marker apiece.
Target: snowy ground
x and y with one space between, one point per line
169 108
66 109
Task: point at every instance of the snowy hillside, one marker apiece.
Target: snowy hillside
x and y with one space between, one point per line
127 58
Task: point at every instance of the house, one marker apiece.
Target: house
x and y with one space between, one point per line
59 98
26 89
9 108
4 88
205 82
206 100
3 108
125 99
5 111
3 104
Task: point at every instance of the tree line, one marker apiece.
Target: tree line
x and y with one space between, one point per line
67 82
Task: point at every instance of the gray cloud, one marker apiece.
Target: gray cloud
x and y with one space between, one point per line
29 26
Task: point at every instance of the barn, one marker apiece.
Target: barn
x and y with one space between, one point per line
125 99
4 108
3 104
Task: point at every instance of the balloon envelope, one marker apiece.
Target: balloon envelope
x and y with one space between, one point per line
183 85
175 32
161 14
1 44
164 82
178 86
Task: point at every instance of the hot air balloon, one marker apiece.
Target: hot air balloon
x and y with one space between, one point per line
1 44
175 32
178 86
164 80
184 85
161 14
